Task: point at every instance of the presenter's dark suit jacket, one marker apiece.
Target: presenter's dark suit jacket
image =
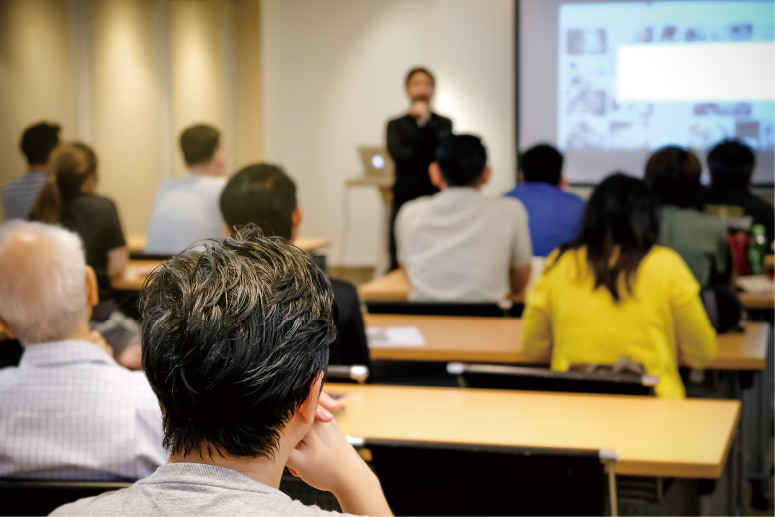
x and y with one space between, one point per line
413 148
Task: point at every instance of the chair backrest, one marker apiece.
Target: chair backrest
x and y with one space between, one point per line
450 479
39 497
485 310
542 379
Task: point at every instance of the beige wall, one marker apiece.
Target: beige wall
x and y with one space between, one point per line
36 77
127 76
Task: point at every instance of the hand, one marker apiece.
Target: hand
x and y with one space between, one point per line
421 111
326 406
96 338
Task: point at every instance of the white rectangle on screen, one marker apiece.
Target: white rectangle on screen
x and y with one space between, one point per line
695 72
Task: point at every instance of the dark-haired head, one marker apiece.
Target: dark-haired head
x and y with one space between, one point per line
419 70
38 141
462 160
674 174
620 226
234 335
541 163
731 164
262 194
199 144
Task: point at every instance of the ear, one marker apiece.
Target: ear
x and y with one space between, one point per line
309 408
6 328
227 229
485 176
437 179
92 293
563 183
520 177
295 221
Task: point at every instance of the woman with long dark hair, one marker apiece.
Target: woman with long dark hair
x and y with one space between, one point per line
68 198
614 293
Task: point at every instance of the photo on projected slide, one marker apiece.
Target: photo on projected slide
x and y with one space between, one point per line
633 77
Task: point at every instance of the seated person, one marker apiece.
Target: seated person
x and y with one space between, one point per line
700 239
613 292
186 209
37 145
731 165
263 194
458 245
554 215
68 411
69 198
235 345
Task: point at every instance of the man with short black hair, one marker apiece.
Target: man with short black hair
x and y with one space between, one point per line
458 245
731 165
236 337
554 214
264 195
37 144
186 209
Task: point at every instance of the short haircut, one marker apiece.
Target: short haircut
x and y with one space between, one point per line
462 160
42 285
542 163
199 144
419 70
674 174
262 194
731 163
38 141
234 333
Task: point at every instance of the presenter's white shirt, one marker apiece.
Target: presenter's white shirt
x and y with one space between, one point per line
185 210
459 245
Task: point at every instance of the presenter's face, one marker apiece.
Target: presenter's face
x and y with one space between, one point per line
420 88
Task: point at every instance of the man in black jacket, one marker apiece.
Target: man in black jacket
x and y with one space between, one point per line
411 142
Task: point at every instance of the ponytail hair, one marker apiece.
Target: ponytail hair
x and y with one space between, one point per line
72 165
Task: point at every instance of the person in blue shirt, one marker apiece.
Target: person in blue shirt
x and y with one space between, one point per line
554 215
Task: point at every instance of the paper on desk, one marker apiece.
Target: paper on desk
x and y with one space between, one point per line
755 284
394 337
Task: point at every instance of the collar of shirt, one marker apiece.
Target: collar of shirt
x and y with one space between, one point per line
58 353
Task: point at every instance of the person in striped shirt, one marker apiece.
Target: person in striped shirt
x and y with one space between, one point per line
38 142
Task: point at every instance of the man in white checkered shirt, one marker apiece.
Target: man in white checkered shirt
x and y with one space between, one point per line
68 411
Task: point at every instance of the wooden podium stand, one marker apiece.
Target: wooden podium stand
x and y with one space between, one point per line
385 185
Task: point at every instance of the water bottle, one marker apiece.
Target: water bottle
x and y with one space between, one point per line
757 249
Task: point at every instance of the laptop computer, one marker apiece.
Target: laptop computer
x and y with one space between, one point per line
376 161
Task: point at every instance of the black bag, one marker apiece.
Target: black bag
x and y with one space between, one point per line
723 307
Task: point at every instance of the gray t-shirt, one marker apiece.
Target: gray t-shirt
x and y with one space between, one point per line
192 489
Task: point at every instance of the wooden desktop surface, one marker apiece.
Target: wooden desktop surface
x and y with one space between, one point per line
499 340
652 437
394 287
137 270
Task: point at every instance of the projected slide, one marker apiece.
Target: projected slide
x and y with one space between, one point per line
637 76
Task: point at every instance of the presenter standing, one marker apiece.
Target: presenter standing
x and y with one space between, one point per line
411 142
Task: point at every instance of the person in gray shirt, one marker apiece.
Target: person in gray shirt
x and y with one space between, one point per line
235 346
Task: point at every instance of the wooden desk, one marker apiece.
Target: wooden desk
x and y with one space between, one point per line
136 243
757 301
653 437
499 340
137 270
384 183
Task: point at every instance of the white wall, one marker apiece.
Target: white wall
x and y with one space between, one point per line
333 75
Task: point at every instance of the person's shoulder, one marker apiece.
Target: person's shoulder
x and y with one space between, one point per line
399 119
95 202
664 262
510 205
441 118
108 503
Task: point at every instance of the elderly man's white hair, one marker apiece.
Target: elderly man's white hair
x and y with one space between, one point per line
42 281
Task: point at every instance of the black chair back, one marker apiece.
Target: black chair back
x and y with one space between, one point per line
448 479
39 497
542 379
485 310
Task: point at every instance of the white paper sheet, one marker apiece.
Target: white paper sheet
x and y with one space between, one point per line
384 337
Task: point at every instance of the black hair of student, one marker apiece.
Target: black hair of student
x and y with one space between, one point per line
620 223
731 164
462 160
38 141
234 334
674 174
199 143
419 70
542 163
262 194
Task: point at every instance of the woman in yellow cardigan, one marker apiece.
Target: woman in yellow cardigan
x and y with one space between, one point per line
614 293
